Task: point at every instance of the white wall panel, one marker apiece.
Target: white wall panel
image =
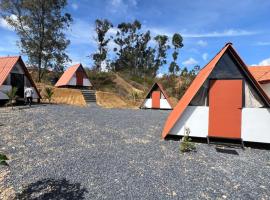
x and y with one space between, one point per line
86 82
164 104
147 103
256 125
73 81
196 119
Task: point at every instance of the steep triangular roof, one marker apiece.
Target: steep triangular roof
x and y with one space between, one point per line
6 66
161 89
65 78
261 73
198 82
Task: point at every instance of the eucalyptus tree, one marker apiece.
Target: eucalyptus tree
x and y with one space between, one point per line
41 27
177 42
101 27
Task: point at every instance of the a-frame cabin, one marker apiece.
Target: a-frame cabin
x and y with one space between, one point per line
223 101
156 98
75 76
13 73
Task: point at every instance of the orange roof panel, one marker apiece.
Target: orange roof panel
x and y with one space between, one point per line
261 73
6 65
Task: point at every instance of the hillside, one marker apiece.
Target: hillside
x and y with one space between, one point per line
114 90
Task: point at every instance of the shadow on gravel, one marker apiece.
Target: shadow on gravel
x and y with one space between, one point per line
52 189
227 151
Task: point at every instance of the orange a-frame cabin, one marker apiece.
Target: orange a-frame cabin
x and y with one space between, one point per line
13 73
223 101
74 76
262 75
156 98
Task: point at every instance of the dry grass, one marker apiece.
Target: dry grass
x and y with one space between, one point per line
63 95
174 101
68 96
125 85
112 100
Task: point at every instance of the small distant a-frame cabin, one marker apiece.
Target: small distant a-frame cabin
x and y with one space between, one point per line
13 73
223 101
75 76
156 98
262 75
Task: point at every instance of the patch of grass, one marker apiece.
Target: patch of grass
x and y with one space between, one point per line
3 159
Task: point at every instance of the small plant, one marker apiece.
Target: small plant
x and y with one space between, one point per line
186 145
134 95
12 96
48 93
3 159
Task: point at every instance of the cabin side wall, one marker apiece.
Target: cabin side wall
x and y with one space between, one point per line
266 88
196 119
164 104
255 124
73 81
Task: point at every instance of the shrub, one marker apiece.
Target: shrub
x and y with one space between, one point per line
3 159
48 93
12 96
135 95
186 145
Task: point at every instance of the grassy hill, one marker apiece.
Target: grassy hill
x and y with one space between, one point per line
116 90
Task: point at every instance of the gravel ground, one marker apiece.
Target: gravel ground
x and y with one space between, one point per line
65 152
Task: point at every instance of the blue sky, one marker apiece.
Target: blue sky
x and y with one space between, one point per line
206 25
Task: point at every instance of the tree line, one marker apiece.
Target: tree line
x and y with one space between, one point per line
41 27
136 50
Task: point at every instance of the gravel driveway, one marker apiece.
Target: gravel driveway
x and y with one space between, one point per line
65 152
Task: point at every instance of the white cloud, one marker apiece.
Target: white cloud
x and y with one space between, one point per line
263 43
225 33
160 75
265 62
74 6
186 34
190 62
5 25
116 6
81 32
202 43
205 56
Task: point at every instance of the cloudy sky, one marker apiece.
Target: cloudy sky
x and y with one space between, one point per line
206 25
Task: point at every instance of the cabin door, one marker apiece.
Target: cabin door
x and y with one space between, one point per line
17 80
156 99
79 77
225 108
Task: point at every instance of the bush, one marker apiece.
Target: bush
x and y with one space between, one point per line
48 93
12 96
186 145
